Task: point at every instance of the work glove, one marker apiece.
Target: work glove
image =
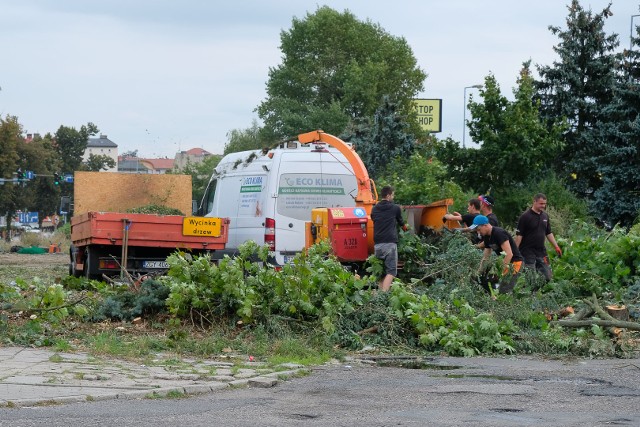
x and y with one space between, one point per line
558 251
405 227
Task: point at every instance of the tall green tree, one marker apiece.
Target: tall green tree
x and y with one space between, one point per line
98 162
16 154
200 174
515 145
617 199
10 140
71 144
578 87
335 69
39 194
247 139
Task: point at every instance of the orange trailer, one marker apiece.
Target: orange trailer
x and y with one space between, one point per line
110 242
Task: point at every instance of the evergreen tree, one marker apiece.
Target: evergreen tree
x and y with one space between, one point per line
388 138
578 87
617 200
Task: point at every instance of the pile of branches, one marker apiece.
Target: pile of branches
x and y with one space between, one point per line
594 314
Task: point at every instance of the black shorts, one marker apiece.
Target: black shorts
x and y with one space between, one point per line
388 252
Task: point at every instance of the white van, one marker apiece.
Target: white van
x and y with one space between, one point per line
269 195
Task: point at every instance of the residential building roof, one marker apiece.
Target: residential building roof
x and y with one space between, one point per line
159 164
198 152
103 141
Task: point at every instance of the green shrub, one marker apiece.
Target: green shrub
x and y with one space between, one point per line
156 209
130 303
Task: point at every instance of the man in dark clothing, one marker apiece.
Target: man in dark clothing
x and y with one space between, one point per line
486 209
386 217
533 227
473 209
498 239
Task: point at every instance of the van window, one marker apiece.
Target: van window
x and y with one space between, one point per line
298 193
207 203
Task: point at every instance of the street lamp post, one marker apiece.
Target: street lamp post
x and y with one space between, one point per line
631 44
464 112
631 35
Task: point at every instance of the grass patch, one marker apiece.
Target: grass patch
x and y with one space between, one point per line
172 394
56 358
297 350
62 345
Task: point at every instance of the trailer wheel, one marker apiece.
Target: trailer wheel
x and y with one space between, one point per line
89 260
73 256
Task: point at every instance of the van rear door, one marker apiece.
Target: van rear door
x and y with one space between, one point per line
251 194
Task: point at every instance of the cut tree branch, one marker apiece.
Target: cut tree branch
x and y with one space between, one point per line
606 323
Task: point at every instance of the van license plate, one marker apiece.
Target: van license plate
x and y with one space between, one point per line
155 264
288 259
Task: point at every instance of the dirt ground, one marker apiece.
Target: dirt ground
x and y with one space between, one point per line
28 266
28 260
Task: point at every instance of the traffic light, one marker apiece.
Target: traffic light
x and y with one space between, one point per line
56 178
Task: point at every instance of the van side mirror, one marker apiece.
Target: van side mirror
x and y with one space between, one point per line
194 207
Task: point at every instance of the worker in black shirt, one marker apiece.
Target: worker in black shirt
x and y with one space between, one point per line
533 227
473 209
498 239
486 209
386 217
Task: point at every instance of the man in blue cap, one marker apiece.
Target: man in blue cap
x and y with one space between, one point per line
498 239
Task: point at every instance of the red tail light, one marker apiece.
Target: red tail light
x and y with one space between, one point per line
108 264
270 233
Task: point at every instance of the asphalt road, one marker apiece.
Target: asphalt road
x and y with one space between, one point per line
434 392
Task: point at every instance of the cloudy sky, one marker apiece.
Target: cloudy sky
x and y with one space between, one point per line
162 76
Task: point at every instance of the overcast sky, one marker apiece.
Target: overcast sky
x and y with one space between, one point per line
162 76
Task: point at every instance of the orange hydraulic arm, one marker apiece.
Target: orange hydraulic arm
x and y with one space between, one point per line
367 195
